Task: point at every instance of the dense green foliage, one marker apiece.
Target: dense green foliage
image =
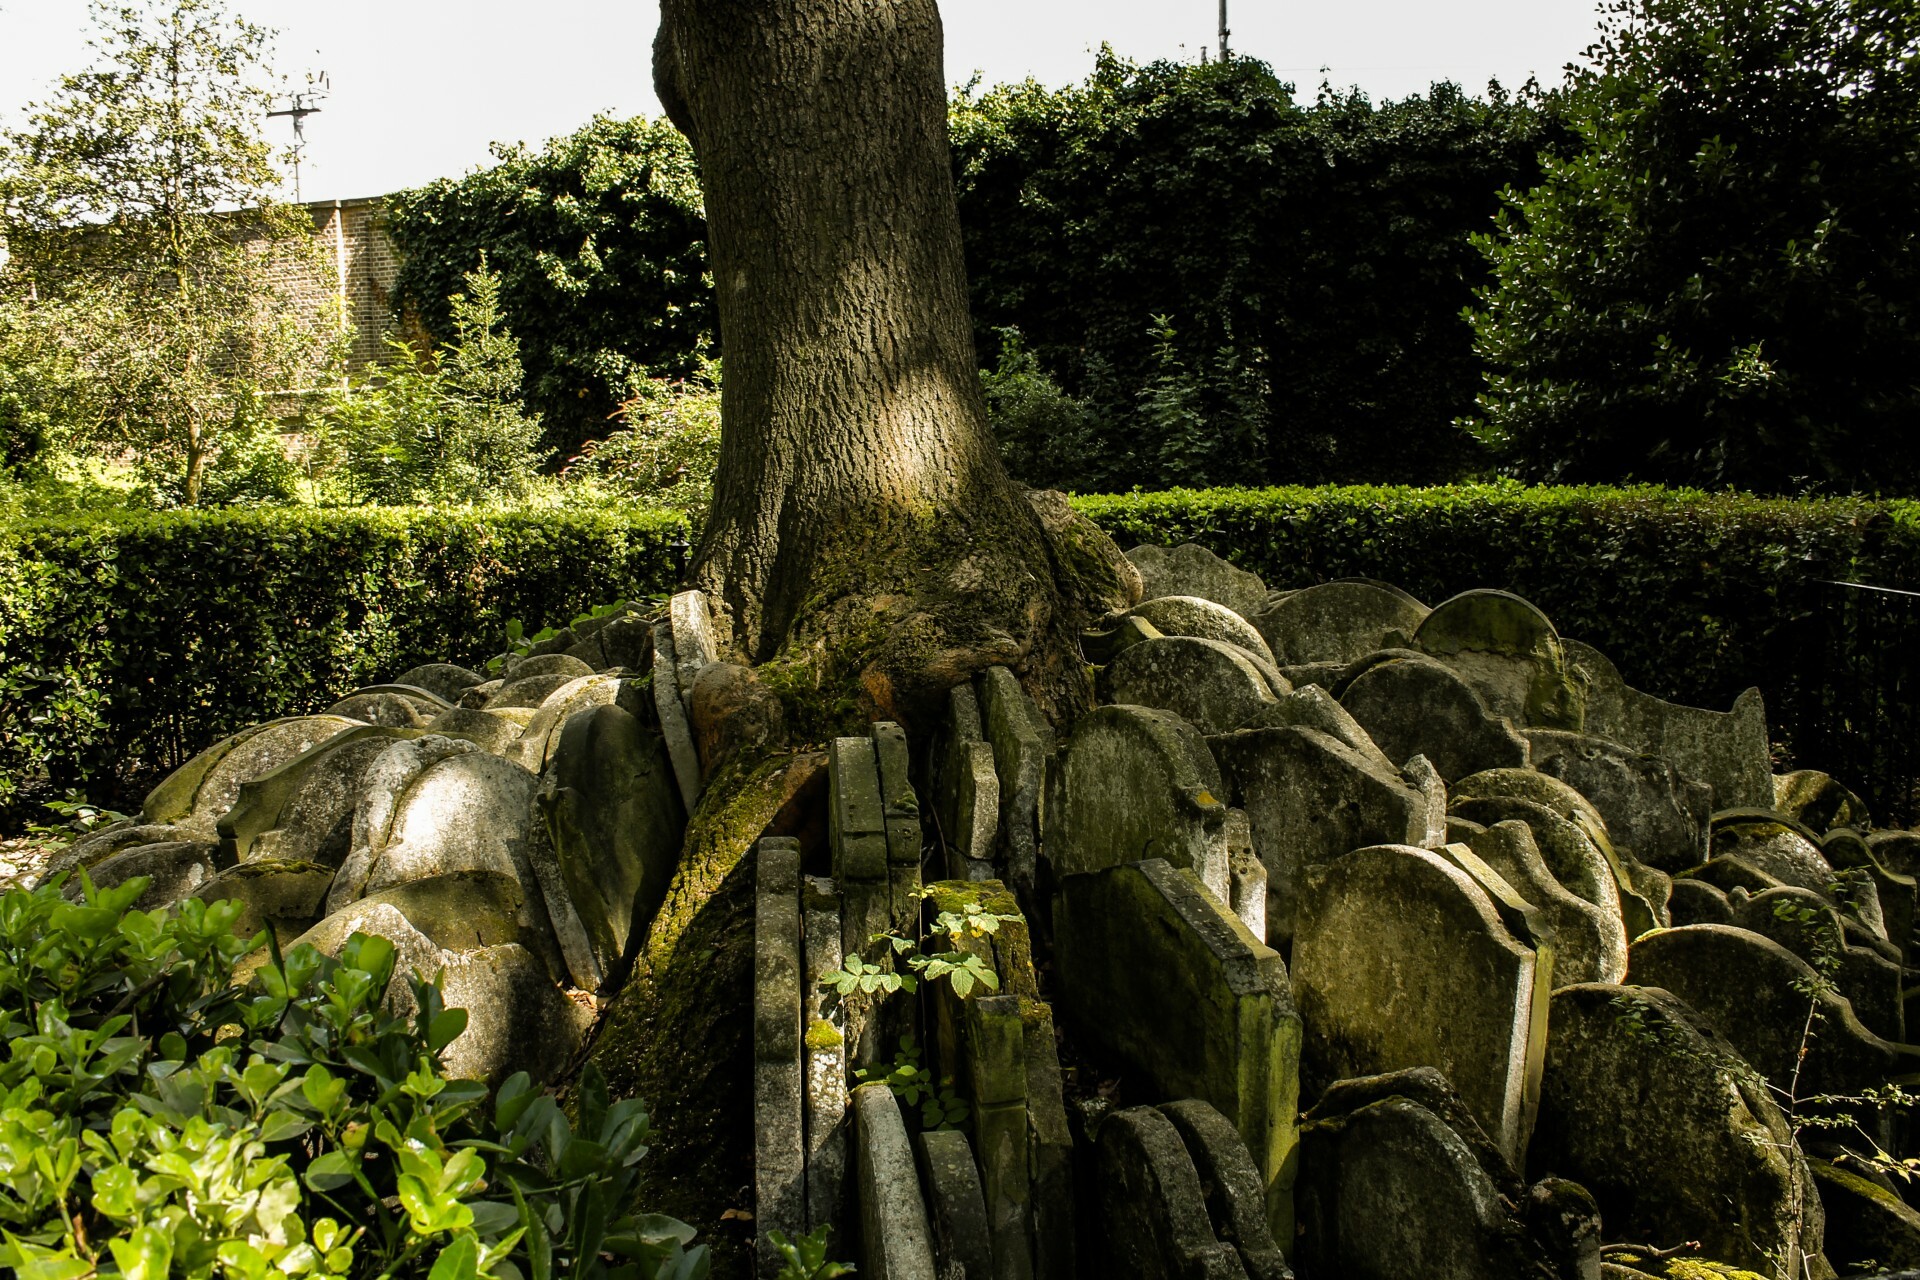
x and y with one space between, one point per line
1720 287
664 452
1227 287
157 1121
137 313
600 241
444 428
129 642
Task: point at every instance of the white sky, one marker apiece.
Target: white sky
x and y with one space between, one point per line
420 87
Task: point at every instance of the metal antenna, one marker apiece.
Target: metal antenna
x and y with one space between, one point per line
1224 55
306 102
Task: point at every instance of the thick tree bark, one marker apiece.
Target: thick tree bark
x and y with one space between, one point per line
864 534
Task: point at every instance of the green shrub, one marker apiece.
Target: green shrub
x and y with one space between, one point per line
129 642
156 1120
663 454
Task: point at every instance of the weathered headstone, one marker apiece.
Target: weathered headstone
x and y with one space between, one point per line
176 868
1211 685
694 646
1231 1185
1191 570
284 896
442 678
826 1054
779 1124
1649 809
1022 744
1163 978
1337 622
303 810
1153 1221
1312 707
200 791
1401 959
1815 798
896 1238
490 732
997 1078
1647 1108
672 711
1590 943
467 812
1192 616
531 691
1510 654
1420 707
1312 799
1776 850
1806 924
956 1210
1868 1226
541 734
517 1020
1136 783
386 709
967 788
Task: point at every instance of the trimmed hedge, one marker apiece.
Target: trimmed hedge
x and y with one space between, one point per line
129 642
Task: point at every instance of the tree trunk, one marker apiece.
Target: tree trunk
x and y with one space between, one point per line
864 536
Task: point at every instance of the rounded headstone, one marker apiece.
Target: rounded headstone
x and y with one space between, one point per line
1191 570
1212 685
1337 622
1193 616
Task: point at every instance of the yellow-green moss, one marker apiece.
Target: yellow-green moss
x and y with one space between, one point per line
823 1035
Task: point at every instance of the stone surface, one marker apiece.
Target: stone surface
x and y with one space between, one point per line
177 869
1813 797
1022 744
491 733
1727 750
1312 799
468 812
627 642
1417 706
966 788
996 1073
1866 1223
672 711
1085 554
1135 783
1388 1191
284 896
1677 1139
1231 1185
1246 875
731 711
614 821
1211 685
898 803
1697 902
200 791
1776 850
479 695
517 1020
955 1210
303 810
441 678
102 843
539 666
1400 959
1193 616
896 1239
1589 942
1337 622
387 709
1754 992
1153 1221
1164 979
1649 809
779 1126
541 733
825 1048
1191 570
1510 654
381 789
1312 707
1572 849
1806 924
1420 774
531 691
694 647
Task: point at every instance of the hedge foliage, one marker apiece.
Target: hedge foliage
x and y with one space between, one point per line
131 641
127 643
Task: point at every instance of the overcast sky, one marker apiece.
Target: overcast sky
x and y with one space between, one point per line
420 87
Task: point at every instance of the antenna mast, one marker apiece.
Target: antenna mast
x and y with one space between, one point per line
306 102
1224 55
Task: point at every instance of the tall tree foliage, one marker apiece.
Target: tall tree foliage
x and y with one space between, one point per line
600 241
138 201
1721 287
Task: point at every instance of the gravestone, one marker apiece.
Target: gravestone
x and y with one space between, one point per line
1211 685
1401 959
1161 976
441 678
967 788
200 792
385 709
1420 707
1658 1117
1022 744
1231 1185
670 707
1648 808
1589 942
1337 622
1806 924
896 1239
1153 1221
1310 800
825 1041
956 1211
1510 654
303 810
1191 570
1192 616
779 1125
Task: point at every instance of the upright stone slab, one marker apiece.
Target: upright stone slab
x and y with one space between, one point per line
200 791
672 709
1776 849
466 812
900 805
997 1076
1649 808
694 648
1590 943
442 678
1400 959
1311 799
956 1210
385 709
1337 622
857 838
1191 570
826 1056
1153 1221
1022 744
1815 798
1727 750
1420 707
1050 1153
303 810
541 736
1573 850
1162 977
1137 783
779 1125
1246 875
1311 707
1647 1108
1230 1181
896 1240
1509 652
1210 684
1807 925
1192 616
967 788
614 820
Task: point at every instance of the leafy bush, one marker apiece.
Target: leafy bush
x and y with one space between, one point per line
665 451
449 428
131 641
157 1120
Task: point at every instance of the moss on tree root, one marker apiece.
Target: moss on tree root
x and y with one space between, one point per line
679 1034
